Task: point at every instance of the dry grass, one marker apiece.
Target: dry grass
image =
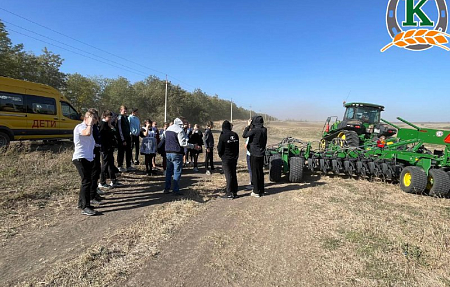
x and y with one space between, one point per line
32 180
112 259
330 231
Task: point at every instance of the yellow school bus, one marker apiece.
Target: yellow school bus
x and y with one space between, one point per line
31 111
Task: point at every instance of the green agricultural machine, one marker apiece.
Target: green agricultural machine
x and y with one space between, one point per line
361 123
287 157
416 158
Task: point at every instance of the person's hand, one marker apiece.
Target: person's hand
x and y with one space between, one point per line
197 147
208 150
90 120
249 122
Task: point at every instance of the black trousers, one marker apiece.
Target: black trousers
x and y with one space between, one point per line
96 170
149 162
108 168
84 168
257 165
229 169
194 157
209 159
135 146
121 150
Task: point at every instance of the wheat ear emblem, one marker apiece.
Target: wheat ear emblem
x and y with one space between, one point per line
419 36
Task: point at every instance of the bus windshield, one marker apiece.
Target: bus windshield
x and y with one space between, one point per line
365 114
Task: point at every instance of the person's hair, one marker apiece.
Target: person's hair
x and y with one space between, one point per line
107 113
148 121
134 110
209 124
89 114
123 107
93 111
196 126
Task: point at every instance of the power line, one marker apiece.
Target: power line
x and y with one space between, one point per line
84 51
37 39
89 45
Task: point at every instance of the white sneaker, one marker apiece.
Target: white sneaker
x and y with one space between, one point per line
255 194
121 169
115 184
208 172
102 185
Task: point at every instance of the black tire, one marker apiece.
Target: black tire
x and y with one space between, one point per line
4 139
296 165
351 138
275 168
438 183
413 179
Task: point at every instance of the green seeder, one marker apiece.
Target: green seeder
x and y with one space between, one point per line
417 158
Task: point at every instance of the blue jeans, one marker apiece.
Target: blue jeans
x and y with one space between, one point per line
174 167
249 169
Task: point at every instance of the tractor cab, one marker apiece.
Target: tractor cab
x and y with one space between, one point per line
364 113
361 122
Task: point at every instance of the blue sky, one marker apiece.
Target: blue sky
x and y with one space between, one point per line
292 59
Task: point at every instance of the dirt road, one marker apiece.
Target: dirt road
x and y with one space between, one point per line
326 231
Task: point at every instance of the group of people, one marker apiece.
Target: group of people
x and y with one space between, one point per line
96 139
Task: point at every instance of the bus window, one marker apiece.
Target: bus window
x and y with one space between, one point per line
11 103
41 105
69 112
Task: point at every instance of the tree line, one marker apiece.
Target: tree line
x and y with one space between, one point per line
102 93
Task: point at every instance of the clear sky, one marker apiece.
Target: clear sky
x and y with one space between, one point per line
292 59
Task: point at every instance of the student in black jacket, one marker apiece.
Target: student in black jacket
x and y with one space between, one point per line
228 149
257 134
107 143
208 141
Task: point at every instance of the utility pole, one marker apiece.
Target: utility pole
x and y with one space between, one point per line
165 104
231 109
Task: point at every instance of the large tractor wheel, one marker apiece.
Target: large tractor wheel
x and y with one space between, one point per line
275 168
296 165
4 140
438 182
413 179
349 138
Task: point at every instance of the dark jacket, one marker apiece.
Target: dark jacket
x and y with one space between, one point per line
107 137
228 147
208 138
257 135
196 138
175 139
124 128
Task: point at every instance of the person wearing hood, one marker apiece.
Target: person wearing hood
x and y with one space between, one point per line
208 141
257 135
228 149
175 141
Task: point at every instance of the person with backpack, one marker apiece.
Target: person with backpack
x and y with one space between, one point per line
257 134
228 150
149 146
